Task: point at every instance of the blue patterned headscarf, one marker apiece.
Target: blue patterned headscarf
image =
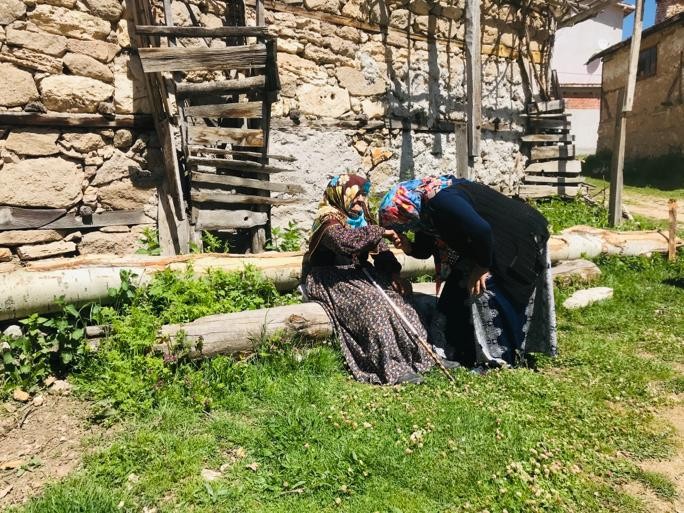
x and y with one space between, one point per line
401 207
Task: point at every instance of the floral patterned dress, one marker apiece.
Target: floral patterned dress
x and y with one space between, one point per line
376 345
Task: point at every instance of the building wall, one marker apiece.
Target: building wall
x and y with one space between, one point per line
668 8
653 128
73 58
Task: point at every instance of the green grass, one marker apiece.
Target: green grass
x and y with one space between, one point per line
663 175
600 184
292 432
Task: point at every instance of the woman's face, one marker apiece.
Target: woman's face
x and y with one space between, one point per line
358 205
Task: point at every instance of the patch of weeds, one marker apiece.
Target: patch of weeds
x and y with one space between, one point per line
214 244
286 239
149 242
661 485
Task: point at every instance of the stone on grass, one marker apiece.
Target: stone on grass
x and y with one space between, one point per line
69 93
210 475
586 297
20 395
13 331
17 86
60 387
49 182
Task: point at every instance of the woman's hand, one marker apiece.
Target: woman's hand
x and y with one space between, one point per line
399 240
477 281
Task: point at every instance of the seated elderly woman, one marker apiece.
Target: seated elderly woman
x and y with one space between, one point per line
497 303
375 344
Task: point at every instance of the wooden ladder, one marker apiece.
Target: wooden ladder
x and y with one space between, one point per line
552 169
223 124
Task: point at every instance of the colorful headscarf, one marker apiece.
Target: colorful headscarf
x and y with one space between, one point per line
401 207
335 207
401 210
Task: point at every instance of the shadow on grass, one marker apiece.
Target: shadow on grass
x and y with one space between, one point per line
665 172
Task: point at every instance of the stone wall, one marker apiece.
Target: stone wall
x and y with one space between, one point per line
656 119
344 67
73 58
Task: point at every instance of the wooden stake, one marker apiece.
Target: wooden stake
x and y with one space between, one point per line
474 77
618 160
672 238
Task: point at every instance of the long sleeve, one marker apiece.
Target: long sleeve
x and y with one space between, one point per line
423 246
385 261
346 241
461 227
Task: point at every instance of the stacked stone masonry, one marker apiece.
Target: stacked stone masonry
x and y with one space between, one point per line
74 56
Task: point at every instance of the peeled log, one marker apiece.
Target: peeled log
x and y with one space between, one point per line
81 279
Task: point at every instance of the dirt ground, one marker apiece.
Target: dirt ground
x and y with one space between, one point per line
647 205
40 444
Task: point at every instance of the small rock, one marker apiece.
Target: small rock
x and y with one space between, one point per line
210 475
5 255
13 331
49 381
60 387
123 138
38 400
586 297
11 464
35 107
73 237
20 395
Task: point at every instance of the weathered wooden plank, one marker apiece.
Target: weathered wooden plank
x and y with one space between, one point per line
545 191
548 115
251 183
16 218
251 137
217 196
161 30
221 86
473 36
550 124
115 218
539 138
552 152
195 59
226 110
75 120
239 153
216 219
555 166
558 179
543 107
236 165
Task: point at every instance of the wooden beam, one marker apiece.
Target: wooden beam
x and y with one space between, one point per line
208 59
215 219
541 138
572 167
236 181
239 153
550 124
244 166
17 218
473 36
552 152
672 232
75 120
620 140
546 107
543 179
221 32
217 196
221 86
114 218
547 191
212 135
225 110
462 168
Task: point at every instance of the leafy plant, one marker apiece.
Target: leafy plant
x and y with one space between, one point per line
214 244
286 239
149 242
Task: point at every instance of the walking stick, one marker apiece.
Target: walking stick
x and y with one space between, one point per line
421 342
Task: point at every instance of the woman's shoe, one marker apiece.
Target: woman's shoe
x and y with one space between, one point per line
451 364
410 378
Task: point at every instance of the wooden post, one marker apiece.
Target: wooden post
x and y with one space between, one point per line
618 160
473 37
462 168
672 236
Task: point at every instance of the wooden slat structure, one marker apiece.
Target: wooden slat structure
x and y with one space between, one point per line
223 123
552 169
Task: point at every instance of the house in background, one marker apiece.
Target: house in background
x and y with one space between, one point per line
580 83
655 126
